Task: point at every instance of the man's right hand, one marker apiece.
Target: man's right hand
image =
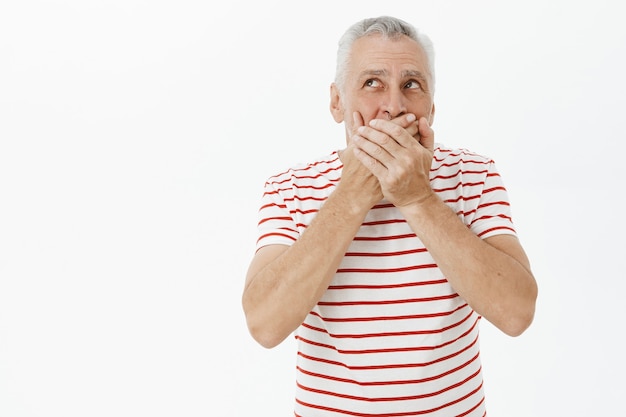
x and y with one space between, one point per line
357 182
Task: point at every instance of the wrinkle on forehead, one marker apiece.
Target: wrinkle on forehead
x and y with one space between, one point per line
376 52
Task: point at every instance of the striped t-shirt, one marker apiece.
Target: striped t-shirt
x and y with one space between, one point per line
390 337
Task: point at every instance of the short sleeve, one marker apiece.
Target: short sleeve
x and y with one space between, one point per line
276 225
493 213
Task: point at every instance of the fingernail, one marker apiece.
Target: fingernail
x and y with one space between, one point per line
411 117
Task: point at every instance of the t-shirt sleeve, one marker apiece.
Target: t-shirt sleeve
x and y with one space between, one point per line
276 225
493 213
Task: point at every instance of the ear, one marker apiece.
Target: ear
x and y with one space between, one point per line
336 107
431 118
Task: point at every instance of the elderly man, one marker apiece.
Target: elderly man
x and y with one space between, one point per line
382 257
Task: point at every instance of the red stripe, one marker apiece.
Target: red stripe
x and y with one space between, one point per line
266 206
383 383
459 184
387 318
386 270
267 219
303 211
493 203
307 169
403 414
388 286
388 302
301 187
378 238
275 234
457 162
495 228
447 153
493 189
389 366
306 198
382 206
461 172
388 334
482 400
388 350
386 399
501 216
379 222
379 254
309 166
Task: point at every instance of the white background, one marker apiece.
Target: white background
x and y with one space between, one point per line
135 138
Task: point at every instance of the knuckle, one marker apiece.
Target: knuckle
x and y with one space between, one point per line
384 140
396 130
377 150
371 163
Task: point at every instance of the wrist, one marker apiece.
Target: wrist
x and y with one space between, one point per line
352 202
423 207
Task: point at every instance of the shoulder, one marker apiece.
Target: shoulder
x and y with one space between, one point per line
326 165
452 162
444 156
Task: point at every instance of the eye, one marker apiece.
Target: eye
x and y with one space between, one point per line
372 82
412 85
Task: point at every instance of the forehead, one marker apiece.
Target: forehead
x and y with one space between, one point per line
375 52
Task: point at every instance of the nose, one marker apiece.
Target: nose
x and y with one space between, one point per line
393 104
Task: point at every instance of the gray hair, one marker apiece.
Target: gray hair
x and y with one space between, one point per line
390 28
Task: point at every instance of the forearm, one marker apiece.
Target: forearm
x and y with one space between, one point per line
496 284
279 295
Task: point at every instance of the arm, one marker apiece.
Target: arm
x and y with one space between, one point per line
492 275
284 283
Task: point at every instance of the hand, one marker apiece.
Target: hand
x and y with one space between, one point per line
399 158
357 181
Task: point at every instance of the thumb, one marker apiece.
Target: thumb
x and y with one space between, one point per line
357 121
426 134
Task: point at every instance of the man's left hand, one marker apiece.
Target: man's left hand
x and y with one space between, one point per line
400 161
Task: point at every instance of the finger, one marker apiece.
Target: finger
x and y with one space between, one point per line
390 130
372 164
357 121
426 134
375 144
407 121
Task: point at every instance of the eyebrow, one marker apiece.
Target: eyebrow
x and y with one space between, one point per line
404 74
414 73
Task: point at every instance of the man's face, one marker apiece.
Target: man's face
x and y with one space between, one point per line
385 79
